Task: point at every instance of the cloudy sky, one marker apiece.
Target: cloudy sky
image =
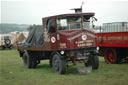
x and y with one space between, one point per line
32 11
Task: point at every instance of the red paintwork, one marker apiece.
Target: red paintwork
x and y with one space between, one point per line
113 45
65 40
112 39
110 56
71 39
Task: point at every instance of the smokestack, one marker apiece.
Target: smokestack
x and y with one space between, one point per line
78 10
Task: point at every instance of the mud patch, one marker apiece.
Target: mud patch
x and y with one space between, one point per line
84 70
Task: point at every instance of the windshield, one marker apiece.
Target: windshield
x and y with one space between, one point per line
69 23
4 37
87 22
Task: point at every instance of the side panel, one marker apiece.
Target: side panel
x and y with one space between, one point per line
76 39
112 39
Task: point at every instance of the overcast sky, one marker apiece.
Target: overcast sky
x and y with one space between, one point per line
32 11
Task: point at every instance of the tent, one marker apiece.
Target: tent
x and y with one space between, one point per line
18 37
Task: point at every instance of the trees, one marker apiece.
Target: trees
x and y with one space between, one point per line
7 28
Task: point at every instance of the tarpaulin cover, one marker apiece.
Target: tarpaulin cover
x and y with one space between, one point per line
35 37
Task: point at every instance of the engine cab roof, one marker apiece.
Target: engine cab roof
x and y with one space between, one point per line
72 14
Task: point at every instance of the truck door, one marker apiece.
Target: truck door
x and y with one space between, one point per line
51 25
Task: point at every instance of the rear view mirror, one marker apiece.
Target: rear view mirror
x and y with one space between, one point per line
94 19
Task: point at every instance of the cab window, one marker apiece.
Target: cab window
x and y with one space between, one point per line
87 22
69 23
51 26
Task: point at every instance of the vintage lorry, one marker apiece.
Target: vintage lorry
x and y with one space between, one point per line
113 42
63 38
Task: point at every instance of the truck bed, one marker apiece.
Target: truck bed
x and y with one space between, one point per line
112 39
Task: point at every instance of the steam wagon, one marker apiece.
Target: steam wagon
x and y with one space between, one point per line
61 39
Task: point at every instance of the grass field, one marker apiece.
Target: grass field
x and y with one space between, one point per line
12 72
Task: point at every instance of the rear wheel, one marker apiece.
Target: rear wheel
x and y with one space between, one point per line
29 61
111 56
58 64
93 61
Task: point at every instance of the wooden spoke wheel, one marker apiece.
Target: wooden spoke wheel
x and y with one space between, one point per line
110 56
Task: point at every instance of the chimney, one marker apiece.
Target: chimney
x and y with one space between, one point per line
77 10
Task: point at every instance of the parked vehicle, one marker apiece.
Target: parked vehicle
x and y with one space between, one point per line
113 42
63 38
5 42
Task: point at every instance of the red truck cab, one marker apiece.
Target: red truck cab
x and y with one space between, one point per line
69 31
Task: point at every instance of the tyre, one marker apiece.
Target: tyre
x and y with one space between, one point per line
7 41
58 64
93 61
29 61
110 56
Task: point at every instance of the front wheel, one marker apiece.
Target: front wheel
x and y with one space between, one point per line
93 61
58 64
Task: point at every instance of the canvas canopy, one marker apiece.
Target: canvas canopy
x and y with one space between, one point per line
35 37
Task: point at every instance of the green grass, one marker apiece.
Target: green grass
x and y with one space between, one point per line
12 72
